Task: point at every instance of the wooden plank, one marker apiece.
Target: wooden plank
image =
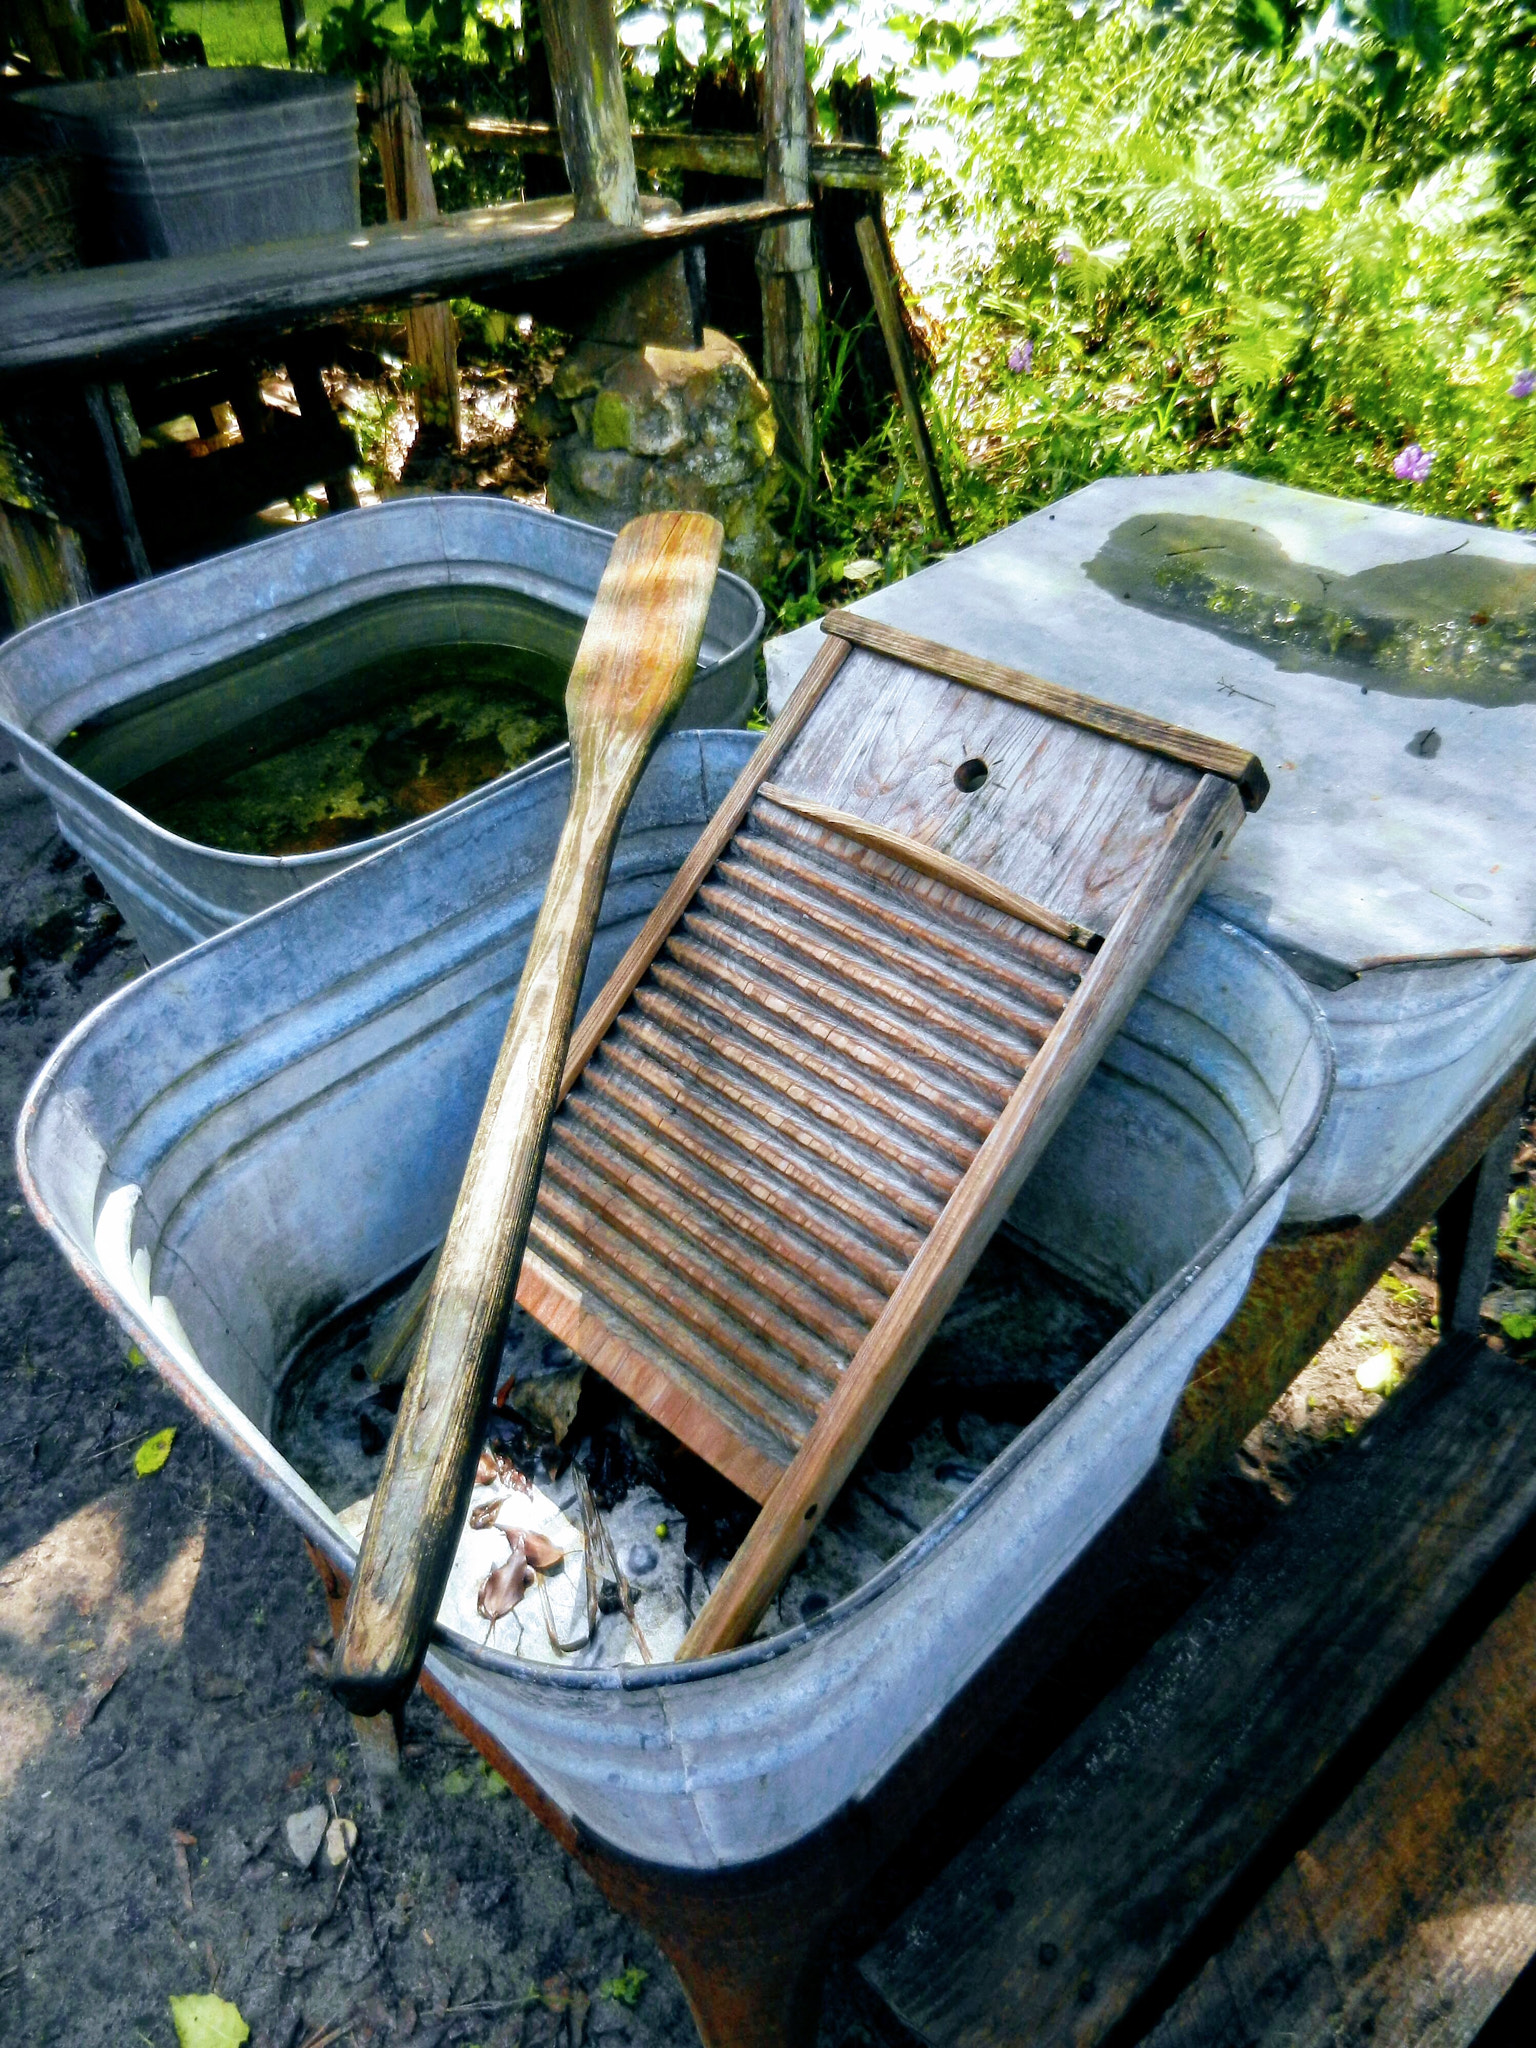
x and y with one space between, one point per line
1091 1886
882 289
127 312
930 861
1167 886
1064 816
1413 1910
851 166
1173 742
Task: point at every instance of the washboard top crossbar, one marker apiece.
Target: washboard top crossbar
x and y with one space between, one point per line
823 1070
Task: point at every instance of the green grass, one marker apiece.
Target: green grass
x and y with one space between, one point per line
251 31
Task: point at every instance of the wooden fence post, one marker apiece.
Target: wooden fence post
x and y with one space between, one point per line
786 257
408 195
582 38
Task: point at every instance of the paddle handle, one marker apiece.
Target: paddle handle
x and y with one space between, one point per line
623 691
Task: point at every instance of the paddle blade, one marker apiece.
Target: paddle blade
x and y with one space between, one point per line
638 653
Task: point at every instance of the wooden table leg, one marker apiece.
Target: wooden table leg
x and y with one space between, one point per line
319 416
1467 1230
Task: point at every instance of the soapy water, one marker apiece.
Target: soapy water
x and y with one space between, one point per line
1456 624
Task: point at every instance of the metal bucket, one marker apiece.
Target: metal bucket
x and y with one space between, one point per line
234 1148
196 162
193 652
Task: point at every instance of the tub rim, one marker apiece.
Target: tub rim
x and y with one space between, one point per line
324 1535
28 744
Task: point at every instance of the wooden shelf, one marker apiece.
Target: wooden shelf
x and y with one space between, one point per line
128 312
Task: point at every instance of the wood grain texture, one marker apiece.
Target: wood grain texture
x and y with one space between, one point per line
633 666
786 257
1064 1912
1062 816
893 328
1215 757
1168 884
1409 1915
710 845
124 313
931 861
591 108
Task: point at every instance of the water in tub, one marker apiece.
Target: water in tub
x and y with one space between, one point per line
356 755
655 1517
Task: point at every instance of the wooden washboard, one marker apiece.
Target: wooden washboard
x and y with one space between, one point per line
821 1073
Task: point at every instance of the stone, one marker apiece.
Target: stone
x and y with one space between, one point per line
660 429
304 1832
340 1841
608 475
658 303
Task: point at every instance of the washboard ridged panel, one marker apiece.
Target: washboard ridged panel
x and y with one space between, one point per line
802 1104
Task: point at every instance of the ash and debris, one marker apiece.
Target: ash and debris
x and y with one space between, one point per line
1015 1336
163 1727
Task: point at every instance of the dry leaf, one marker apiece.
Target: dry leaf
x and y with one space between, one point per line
540 1552
91 1700
505 1586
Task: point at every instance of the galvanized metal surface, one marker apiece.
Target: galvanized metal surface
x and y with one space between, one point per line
244 631
198 161
1394 864
268 1127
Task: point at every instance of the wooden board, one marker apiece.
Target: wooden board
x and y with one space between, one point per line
1413 1910
824 1069
1090 1890
127 312
855 166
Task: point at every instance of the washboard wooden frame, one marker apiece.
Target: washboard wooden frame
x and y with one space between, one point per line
821 1073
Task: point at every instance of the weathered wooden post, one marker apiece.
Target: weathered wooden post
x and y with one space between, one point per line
409 195
591 108
786 257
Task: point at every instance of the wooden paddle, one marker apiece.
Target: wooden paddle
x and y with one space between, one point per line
632 669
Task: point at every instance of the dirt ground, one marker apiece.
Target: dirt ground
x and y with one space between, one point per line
160 1719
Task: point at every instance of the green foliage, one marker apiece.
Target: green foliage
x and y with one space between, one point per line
625 1989
1252 234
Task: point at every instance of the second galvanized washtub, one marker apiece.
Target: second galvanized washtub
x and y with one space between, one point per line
264 1130
186 655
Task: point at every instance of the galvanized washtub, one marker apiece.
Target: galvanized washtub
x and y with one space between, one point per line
264 1130
1383 667
188 654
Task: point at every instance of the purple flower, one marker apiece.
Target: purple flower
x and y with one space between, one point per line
1021 357
1524 385
1413 465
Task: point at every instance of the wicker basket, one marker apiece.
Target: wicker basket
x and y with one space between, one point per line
38 229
